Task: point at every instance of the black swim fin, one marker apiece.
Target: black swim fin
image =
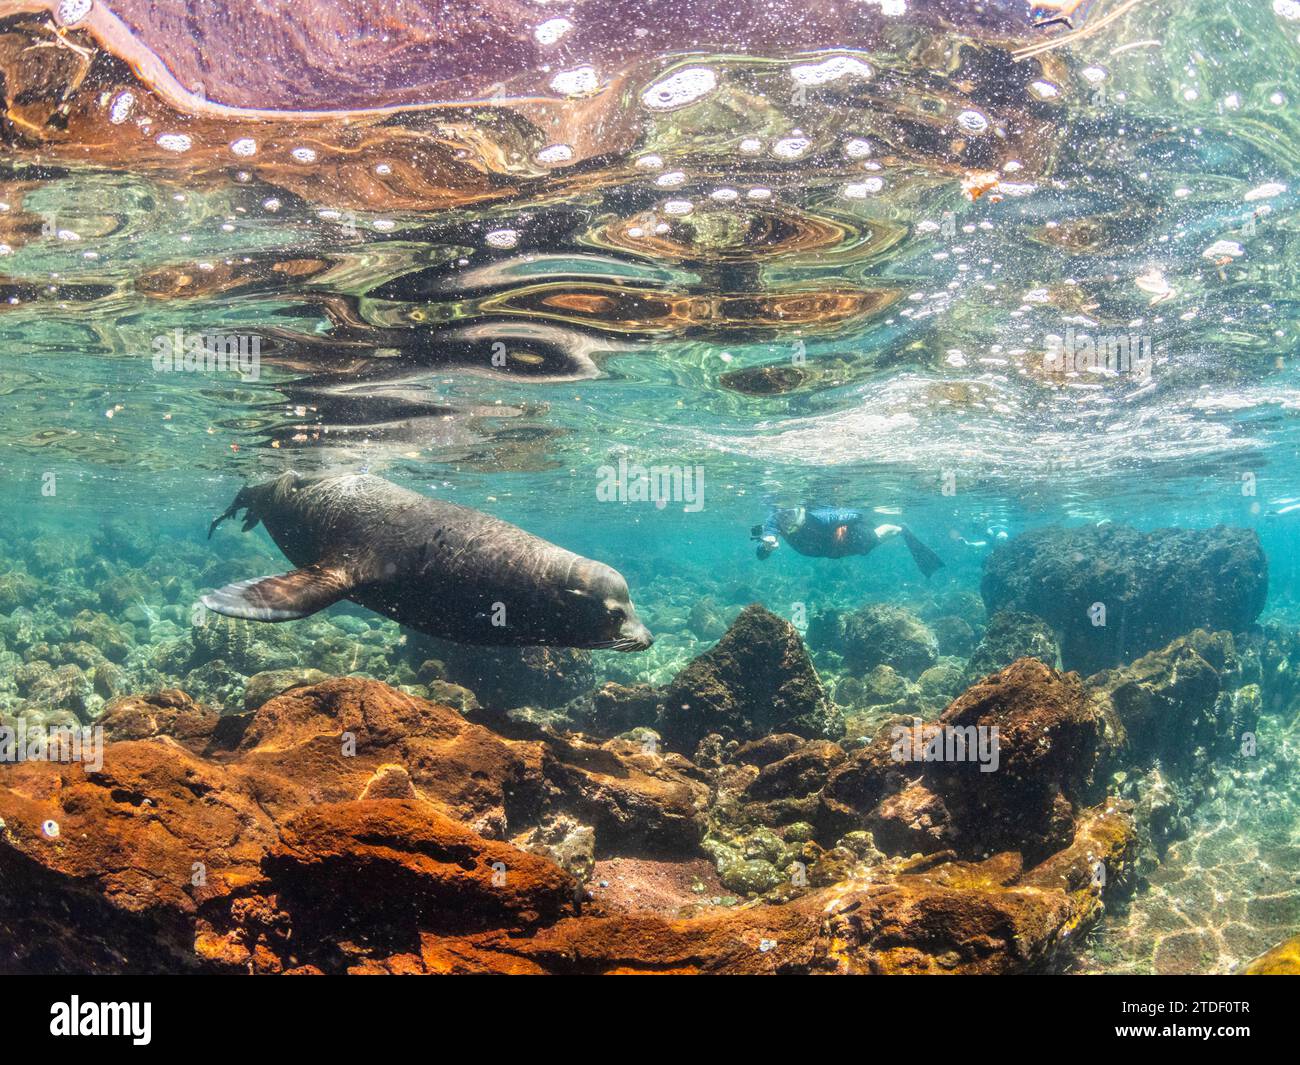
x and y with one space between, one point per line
926 560
284 597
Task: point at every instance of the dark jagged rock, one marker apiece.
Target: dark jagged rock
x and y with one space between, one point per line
508 677
1012 634
883 635
1050 740
876 635
1186 704
613 709
1154 585
758 679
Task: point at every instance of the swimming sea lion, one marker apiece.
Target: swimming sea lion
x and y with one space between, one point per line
434 566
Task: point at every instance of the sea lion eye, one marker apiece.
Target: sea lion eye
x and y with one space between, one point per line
617 613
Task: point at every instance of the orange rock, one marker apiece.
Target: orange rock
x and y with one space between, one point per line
168 860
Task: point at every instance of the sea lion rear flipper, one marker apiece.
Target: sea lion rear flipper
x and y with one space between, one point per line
283 597
243 501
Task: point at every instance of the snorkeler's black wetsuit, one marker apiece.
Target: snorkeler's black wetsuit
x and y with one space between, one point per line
822 532
834 532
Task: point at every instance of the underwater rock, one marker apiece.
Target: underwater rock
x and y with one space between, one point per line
954 635
880 634
1049 741
637 800
941 683
104 633
17 589
390 781
758 679
884 684
1012 634
331 737
453 695
912 821
1022 794
380 866
613 709
171 713
215 682
1154 586
264 686
107 680
570 845
705 620
1184 705
508 677
66 688
1282 960
244 859
229 640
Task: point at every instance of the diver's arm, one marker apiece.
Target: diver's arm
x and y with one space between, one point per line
766 535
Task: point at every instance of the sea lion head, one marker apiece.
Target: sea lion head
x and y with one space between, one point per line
603 614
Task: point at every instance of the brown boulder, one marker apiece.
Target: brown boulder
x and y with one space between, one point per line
332 737
638 801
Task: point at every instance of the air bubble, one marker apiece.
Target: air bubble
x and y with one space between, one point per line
174 142
555 153
552 30
680 89
582 81
304 155
245 146
503 238
972 122
832 69
123 105
70 12
791 147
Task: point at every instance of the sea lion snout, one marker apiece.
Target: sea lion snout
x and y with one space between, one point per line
634 636
615 619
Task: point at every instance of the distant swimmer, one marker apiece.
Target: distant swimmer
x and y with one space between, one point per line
993 534
834 532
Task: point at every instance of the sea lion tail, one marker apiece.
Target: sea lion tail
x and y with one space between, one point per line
926 560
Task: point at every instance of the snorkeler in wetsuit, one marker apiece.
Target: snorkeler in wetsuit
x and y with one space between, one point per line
834 532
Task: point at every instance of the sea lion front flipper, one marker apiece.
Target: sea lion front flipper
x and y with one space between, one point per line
283 597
